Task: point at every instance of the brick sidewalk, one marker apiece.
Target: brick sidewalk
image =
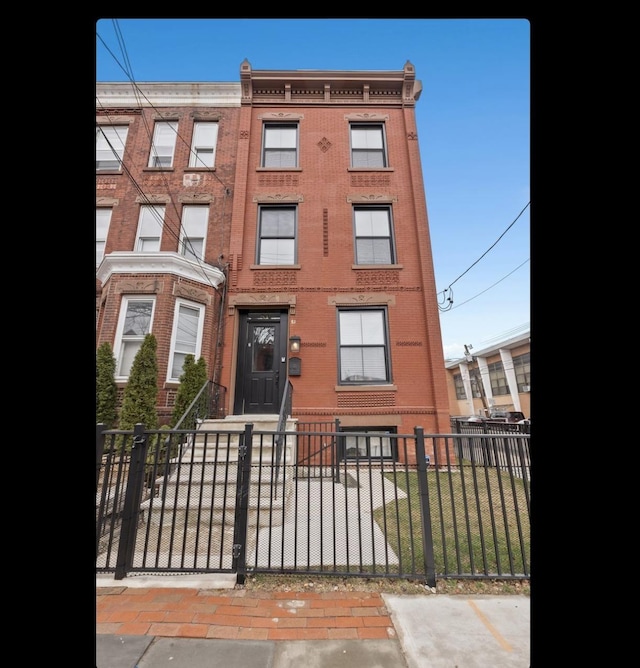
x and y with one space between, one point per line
238 614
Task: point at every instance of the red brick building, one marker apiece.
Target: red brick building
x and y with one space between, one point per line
317 235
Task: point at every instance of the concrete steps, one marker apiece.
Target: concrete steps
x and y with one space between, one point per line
205 487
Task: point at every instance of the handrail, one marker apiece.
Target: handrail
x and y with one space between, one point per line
285 412
200 405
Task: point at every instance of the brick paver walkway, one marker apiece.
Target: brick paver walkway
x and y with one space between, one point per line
240 614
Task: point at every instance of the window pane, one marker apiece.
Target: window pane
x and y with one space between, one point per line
373 251
127 355
366 137
277 222
138 318
277 251
110 142
362 364
263 348
280 158
366 327
203 146
367 159
178 364
164 141
280 136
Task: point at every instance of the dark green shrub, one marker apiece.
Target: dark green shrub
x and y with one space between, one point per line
194 376
141 392
106 388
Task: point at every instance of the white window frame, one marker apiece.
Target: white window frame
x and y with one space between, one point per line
110 143
103 221
284 246
203 144
358 341
180 345
150 226
368 146
278 144
193 230
370 235
163 145
124 342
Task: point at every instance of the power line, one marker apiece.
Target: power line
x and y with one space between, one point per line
447 303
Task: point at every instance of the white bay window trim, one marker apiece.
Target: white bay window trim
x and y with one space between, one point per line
134 323
110 142
186 337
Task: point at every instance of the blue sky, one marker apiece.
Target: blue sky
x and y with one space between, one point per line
473 120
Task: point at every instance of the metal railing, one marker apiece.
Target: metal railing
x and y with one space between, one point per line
211 501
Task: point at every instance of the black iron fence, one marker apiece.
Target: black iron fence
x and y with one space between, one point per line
411 506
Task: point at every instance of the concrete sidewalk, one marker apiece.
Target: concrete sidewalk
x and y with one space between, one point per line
429 631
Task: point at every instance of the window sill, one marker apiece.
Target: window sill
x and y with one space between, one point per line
377 266
370 169
107 172
158 169
366 388
278 169
275 266
200 169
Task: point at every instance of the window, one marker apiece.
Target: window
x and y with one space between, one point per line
277 242
373 238
103 218
110 141
364 348
498 379
203 145
459 386
367 145
135 323
375 445
280 145
186 338
150 228
164 143
193 231
522 366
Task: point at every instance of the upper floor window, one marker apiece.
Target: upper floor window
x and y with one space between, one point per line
186 338
522 366
150 228
277 235
103 219
368 145
280 145
193 230
110 141
364 346
498 379
136 315
203 145
459 386
373 235
163 144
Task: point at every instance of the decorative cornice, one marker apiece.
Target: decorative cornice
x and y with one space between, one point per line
378 198
366 117
280 116
152 94
366 298
153 199
269 199
129 262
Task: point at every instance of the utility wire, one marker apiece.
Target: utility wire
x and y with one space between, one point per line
448 301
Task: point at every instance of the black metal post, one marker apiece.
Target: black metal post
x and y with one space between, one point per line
427 531
239 562
133 497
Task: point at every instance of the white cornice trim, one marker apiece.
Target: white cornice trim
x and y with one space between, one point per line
158 263
148 94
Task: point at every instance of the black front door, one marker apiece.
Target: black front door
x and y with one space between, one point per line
262 362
